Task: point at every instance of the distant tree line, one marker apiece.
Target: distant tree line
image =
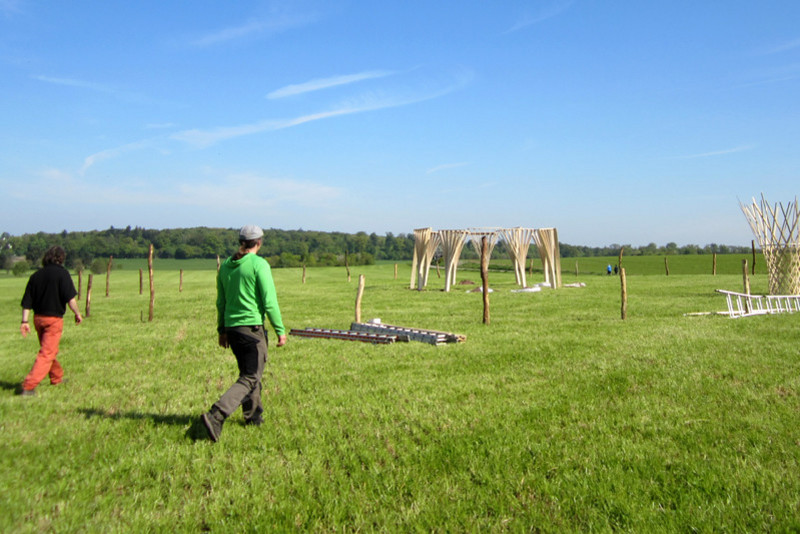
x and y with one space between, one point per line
283 248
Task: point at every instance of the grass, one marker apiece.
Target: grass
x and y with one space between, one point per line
557 416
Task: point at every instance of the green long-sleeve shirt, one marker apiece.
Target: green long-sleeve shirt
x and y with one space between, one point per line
246 294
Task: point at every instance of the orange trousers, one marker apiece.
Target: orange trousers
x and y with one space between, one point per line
49 330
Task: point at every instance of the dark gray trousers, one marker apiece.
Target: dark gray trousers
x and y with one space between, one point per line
249 345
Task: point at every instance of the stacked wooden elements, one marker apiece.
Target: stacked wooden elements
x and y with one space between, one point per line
433 337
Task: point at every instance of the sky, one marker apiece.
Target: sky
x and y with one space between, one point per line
616 122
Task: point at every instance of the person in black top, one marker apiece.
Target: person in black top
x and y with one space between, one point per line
49 291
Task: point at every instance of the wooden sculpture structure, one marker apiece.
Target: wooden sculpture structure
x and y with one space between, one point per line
452 242
477 234
777 229
425 244
547 242
518 241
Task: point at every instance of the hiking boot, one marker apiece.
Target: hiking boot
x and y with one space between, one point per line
27 392
255 421
213 422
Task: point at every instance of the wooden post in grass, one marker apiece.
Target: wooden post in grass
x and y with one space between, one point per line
359 295
753 246
666 265
108 272
217 262
745 278
714 265
485 278
304 273
347 265
619 262
624 284
152 286
140 281
88 307
576 269
180 283
80 282
395 271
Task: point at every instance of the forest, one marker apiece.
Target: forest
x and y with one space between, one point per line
282 248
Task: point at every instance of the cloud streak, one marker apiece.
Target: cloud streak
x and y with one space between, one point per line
445 167
718 152
367 102
541 15
256 28
326 83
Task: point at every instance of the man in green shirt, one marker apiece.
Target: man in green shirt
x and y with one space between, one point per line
245 296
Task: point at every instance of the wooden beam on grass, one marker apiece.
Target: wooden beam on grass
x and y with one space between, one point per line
152 285
108 273
359 296
624 293
485 278
88 306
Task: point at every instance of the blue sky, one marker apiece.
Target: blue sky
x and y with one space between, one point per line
616 122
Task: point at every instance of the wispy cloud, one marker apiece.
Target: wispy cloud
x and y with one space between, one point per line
258 27
159 125
779 48
113 153
10 7
325 83
718 152
542 14
91 86
373 101
445 167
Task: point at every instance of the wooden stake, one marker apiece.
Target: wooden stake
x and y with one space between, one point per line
576 269
753 245
745 278
217 262
347 265
619 262
624 283
304 273
666 264
108 272
80 282
152 285
180 283
485 278
359 295
88 307
746 281
140 281
395 271
714 265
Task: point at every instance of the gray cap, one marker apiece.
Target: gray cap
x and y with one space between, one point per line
249 232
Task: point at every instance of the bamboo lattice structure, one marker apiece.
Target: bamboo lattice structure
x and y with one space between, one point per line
452 242
518 240
777 229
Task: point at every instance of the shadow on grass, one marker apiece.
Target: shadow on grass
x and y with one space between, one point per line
11 386
195 431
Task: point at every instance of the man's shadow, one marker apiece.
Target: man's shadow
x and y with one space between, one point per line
195 431
10 386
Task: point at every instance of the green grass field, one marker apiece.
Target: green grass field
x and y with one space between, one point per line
558 416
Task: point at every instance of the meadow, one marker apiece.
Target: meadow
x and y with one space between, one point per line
557 416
